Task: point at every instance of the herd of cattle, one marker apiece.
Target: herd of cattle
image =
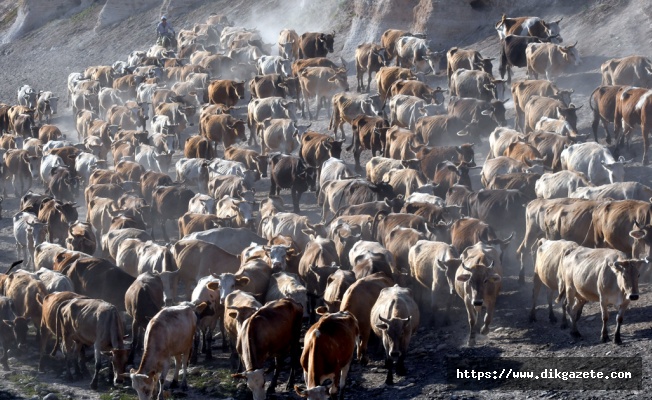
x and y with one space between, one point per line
391 248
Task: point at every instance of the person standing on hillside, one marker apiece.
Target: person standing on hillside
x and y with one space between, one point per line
164 30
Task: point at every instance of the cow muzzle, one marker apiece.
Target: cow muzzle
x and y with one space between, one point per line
477 303
395 354
633 297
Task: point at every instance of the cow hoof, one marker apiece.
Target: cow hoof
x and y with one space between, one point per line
532 318
553 319
364 361
174 384
521 280
605 339
470 343
485 330
184 386
617 340
93 385
389 382
575 334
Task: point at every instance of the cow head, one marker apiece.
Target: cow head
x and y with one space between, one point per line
383 190
465 153
238 130
145 385
570 54
255 382
393 332
289 109
278 255
627 272
326 41
615 169
434 60
562 95
119 358
244 210
449 268
496 111
285 49
477 278
553 30
321 392
227 283
340 79
381 56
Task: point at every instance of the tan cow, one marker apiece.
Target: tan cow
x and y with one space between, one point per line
599 275
338 282
395 319
550 59
239 306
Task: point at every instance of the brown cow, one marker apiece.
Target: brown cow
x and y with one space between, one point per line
633 107
27 294
81 237
93 322
358 300
250 158
169 202
369 57
603 104
198 146
550 59
272 331
49 305
143 300
21 168
328 351
226 92
239 306
522 92
222 128
468 59
316 44
387 76
321 82
368 134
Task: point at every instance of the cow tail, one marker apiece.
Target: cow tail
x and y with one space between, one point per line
374 226
589 232
592 99
58 328
260 226
503 60
115 323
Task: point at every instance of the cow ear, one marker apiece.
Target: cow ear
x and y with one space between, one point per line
199 308
463 277
637 234
321 310
616 266
242 281
214 285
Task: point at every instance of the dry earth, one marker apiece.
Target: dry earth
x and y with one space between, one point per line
45 57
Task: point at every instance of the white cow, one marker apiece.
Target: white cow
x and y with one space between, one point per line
201 204
48 162
193 171
274 65
29 232
27 96
151 160
560 184
595 161
406 110
85 164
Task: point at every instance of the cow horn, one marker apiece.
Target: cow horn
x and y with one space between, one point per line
509 239
466 268
13 265
637 224
491 265
385 320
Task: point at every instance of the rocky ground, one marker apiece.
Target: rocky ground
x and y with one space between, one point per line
45 57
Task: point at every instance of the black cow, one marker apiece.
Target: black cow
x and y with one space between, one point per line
315 44
290 172
430 157
490 114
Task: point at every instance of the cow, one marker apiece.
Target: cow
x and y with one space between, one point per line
239 306
21 168
250 158
358 300
316 148
290 172
548 272
287 285
278 135
512 53
550 59
414 52
29 232
631 70
352 191
528 26
418 89
274 65
226 92
476 84
26 293
478 285
150 159
386 76
321 83
595 162
169 334
522 91
315 44
273 85
406 110
603 275
288 44
440 130
457 58
100 279
258 110
319 260
522 152
296 227
46 105
143 300
347 107
57 215
197 146
81 237
328 352
86 322
193 171
615 191
27 96
367 136
633 107
272 331
560 184
394 319
538 107
505 165
603 104
169 202
389 38
369 58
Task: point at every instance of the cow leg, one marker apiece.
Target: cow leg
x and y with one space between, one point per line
619 323
175 378
164 373
604 335
471 314
165 233
278 365
551 314
536 287
5 357
490 305
208 336
223 332
389 364
564 319
296 197
645 133
195 347
134 342
605 124
400 365
574 311
98 366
